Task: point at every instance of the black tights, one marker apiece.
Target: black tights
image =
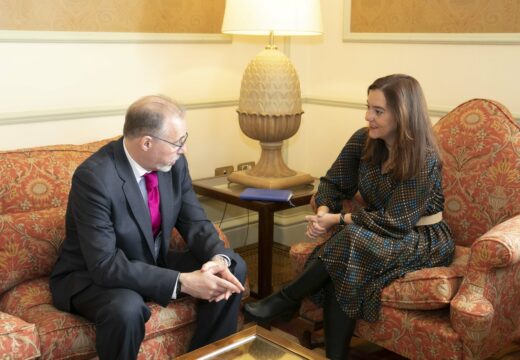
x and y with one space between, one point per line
338 326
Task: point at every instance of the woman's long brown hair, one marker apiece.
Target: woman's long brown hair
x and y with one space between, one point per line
414 139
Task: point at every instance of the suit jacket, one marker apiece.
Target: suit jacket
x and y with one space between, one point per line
109 240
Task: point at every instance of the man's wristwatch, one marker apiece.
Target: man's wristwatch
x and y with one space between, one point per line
342 218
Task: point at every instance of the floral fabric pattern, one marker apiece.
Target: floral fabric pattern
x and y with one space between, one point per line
427 289
480 145
18 339
29 244
65 335
34 187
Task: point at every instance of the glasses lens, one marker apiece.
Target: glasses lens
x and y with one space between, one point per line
182 141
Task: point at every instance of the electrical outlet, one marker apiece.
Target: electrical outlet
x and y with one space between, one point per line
224 170
245 165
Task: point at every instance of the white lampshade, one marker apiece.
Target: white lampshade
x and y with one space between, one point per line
281 17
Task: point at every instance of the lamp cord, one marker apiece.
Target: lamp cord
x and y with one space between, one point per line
223 215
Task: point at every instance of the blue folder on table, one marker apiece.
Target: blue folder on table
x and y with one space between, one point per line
266 195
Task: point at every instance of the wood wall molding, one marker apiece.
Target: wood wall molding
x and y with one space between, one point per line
109 37
94 112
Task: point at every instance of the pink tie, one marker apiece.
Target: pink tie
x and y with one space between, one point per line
153 200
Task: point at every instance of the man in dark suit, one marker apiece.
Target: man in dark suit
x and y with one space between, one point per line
115 255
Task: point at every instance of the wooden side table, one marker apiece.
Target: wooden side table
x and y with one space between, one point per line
220 189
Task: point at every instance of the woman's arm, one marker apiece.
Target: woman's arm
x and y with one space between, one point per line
341 179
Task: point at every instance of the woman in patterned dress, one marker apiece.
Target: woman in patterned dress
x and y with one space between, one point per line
395 166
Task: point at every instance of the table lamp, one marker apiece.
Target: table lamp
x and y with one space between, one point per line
270 107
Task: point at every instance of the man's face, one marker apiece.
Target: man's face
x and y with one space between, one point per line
167 149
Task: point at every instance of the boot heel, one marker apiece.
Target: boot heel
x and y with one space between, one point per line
266 322
263 322
275 306
288 315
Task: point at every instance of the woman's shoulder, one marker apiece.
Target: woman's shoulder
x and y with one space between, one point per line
432 155
360 134
359 137
432 161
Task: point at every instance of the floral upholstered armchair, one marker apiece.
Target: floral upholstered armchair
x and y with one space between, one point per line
470 309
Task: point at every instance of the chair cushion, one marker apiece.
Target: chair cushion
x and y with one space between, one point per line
64 336
29 243
427 289
424 289
18 339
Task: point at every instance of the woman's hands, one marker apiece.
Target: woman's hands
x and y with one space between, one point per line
319 224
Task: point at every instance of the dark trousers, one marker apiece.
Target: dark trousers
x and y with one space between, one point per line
120 314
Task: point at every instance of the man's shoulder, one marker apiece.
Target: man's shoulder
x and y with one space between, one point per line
102 159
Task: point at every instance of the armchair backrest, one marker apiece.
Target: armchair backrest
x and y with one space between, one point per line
480 148
34 188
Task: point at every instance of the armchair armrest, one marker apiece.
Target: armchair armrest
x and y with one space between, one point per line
18 339
489 295
499 247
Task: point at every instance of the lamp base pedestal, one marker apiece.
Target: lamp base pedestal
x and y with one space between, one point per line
241 177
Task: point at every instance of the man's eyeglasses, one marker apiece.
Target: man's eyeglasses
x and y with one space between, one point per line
178 144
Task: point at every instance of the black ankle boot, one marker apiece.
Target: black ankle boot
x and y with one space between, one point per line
276 305
284 303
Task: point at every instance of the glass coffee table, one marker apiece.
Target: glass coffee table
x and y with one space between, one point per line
253 343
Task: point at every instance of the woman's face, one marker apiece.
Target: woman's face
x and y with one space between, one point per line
381 122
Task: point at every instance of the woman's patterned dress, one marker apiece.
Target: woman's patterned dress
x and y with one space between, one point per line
383 243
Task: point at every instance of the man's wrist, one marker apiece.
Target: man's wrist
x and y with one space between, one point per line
179 287
222 260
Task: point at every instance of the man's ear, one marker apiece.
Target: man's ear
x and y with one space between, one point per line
145 143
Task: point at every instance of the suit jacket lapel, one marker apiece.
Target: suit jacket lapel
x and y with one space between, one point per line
133 195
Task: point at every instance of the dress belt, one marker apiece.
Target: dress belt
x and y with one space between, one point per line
430 219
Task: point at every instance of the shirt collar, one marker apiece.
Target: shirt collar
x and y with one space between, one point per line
137 169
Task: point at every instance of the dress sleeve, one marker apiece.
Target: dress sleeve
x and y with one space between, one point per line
341 180
409 200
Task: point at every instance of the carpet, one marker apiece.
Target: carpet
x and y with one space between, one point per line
282 268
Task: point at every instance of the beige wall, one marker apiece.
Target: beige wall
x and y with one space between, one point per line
89 77
332 69
43 79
